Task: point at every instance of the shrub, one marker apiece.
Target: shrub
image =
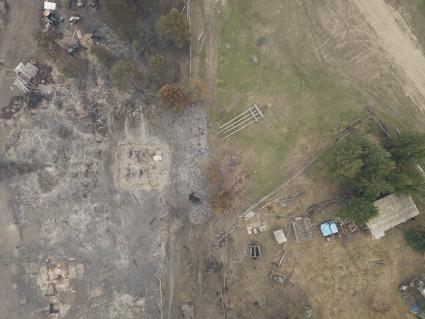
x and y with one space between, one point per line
104 56
158 68
415 239
123 74
121 17
174 95
71 67
173 28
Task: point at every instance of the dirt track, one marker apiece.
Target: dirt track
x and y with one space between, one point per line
393 34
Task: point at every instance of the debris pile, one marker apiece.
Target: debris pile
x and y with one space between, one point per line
25 74
136 165
44 74
212 264
55 283
49 19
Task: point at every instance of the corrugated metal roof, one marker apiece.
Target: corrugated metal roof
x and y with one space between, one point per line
393 210
28 70
21 85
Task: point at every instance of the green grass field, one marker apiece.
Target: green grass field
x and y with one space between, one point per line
307 105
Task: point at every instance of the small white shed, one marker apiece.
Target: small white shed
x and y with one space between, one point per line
48 5
280 236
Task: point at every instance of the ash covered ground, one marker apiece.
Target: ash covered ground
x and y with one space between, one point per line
91 182
87 245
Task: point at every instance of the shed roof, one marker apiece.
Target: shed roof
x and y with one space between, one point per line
48 5
393 210
328 229
280 236
28 70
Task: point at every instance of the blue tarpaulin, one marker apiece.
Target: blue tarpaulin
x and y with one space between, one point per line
329 228
415 308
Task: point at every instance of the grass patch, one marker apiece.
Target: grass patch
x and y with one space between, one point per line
307 105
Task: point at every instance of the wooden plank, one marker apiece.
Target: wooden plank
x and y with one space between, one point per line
234 119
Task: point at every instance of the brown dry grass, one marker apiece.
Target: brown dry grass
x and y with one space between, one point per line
225 176
355 278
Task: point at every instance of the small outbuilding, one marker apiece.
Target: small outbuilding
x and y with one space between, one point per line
48 5
280 236
254 250
393 210
329 229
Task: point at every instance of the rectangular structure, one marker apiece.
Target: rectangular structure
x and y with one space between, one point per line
329 229
48 5
245 119
302 229
280 237
393 210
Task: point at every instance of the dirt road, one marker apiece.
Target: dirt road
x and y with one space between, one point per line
394 35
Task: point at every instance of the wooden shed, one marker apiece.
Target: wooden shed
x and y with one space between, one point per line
393 210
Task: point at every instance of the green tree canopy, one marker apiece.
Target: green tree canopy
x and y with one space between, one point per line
407 180
357 210
344 160
361 165
372 187
368 171
415 239
123 73
372 180
406 147
377 161
173 28
159 69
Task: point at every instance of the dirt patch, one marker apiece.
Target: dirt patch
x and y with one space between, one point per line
395 37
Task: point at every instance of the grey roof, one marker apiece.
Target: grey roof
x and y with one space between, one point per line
21 85
393 210
29 71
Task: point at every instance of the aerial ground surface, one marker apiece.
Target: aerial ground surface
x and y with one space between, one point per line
85 233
